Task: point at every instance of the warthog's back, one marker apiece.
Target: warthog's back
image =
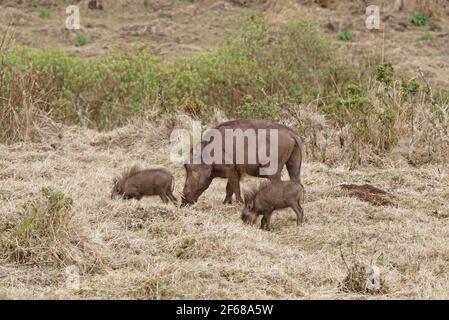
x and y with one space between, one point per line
251 148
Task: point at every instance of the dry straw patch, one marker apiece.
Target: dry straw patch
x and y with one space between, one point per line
148 250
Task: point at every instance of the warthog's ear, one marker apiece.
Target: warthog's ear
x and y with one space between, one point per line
249 201
245 198
250 204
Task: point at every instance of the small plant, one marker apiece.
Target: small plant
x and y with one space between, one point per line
362 278
80 41
44 13
89 25
426 37
419 19
345 36
385 73
410 88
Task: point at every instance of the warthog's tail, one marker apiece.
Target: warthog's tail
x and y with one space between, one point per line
172 184
302 149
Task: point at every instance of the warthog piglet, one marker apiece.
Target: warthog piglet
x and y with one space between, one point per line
136 183
269 197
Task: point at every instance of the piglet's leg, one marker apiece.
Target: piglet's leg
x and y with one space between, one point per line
265 223
132 195
163 197
299 213
172 197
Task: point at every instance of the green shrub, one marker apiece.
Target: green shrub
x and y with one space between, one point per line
267 109
410 88
419 19
385 73
345 36
80 41
44 13
294 61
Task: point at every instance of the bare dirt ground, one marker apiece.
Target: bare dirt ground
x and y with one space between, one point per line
172 28
165 28
150 250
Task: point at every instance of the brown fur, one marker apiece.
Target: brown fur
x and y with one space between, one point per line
136 183
269 197
199 176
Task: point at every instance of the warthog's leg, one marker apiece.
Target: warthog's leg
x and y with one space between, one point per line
163 197
229 193
132 195
234 182
265 223
299 213
172 197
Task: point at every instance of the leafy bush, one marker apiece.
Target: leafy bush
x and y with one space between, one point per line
419 19
345 36
44 13
385 73
293 61
80 41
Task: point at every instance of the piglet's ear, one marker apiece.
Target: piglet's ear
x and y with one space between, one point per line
246 198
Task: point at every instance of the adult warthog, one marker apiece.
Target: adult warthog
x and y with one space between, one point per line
233 166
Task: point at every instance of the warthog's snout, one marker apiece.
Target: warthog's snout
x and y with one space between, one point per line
249 217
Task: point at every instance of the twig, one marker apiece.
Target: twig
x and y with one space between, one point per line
79 111
374 252
429 88
343 257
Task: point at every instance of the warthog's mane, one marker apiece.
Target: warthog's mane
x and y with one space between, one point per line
127 173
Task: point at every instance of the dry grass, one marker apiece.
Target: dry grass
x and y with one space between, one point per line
22 110
148 250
